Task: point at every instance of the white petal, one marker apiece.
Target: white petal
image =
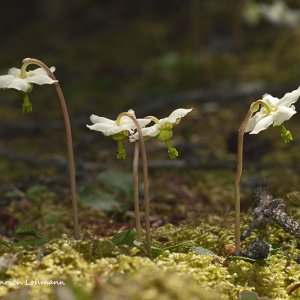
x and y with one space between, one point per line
254 120
151 131
19 84
177 114
14 71
40 79
128 121
5 80
40 71
107 129
263 124
96 119
290 98
270 99
282 114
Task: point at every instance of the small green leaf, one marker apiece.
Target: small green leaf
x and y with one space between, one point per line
155 251
26 230
202 251
249 295
31 243
26 236
125 237
36 191
247 259
52 218
117 182
97 200
181 248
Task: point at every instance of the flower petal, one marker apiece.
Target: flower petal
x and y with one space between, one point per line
254 120
270 99
151 131
177 114
40 79
263 124
96 119
40 71
128 121
289 98
14 71
5 80
19 84
283 113
107 129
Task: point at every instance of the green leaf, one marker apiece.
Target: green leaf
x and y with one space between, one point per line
31 243
26 236
125 237
26 230
155 251
247 259
36 191
52 218
248 295
97 200
118 182
202 251
181 248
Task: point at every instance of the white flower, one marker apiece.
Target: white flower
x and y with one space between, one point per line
110 127
165 123
279 13
14 80
280 110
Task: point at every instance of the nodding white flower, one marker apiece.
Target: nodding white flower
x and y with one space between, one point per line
118 129
165 124
275 111
15 80
110 127
279 13
162 129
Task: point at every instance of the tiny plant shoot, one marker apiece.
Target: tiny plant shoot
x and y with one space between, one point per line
23 80
119 129
268 111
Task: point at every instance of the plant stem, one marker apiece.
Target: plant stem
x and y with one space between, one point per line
136 191
146 183
26 63
239 171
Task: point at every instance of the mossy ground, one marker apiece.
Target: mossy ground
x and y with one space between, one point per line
94 267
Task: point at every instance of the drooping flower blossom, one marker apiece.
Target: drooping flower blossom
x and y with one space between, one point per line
274 112
163 129
119 129
15 80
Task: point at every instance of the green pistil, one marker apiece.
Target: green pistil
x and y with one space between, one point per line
286 135
27 105
121 153
173 153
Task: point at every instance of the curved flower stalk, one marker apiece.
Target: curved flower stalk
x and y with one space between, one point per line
163 129
126 124
269 111
23 80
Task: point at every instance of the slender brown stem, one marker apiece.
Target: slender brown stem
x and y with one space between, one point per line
136 191
292 288
239 170
146 183
62 100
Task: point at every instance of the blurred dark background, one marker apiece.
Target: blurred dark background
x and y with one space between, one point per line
153 56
